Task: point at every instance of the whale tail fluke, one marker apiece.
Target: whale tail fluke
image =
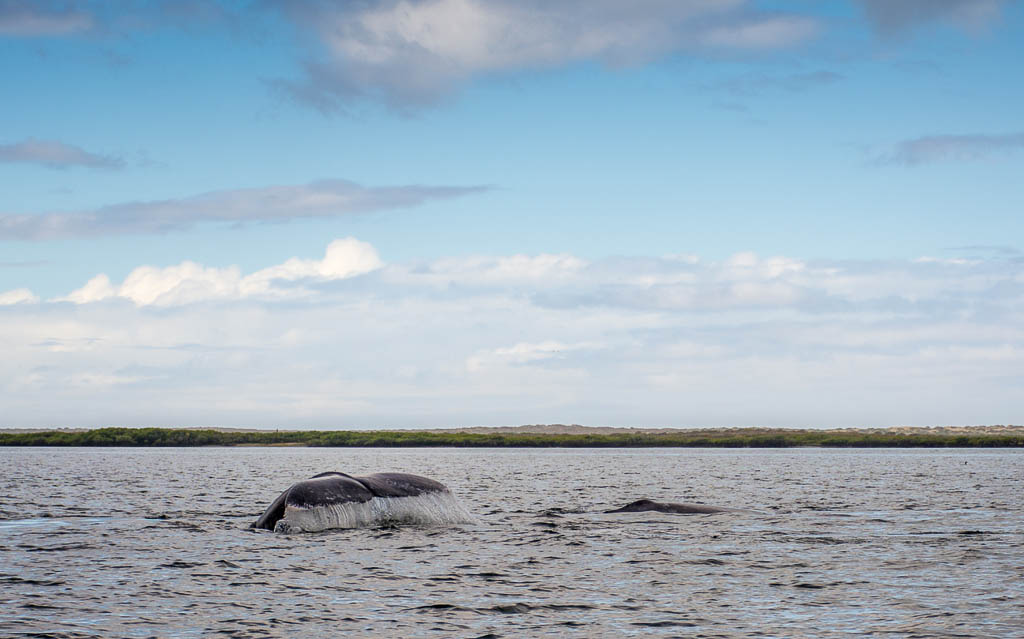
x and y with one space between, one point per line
428 509
338 500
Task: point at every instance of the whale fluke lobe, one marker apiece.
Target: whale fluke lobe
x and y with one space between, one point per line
646 505
337 500
401 485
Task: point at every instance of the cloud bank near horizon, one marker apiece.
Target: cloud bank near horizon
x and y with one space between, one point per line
348 340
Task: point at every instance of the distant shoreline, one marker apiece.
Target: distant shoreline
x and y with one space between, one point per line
531 436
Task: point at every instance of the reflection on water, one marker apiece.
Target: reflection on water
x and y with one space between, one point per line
155 542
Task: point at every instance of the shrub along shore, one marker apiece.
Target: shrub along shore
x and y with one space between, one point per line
718 438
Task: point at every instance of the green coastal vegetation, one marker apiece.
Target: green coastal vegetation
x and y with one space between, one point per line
719 438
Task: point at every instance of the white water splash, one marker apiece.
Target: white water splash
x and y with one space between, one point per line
425 509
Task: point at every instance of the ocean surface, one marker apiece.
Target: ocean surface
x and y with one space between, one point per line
843 543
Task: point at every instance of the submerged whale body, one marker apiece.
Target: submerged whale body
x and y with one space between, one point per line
645 505
337 500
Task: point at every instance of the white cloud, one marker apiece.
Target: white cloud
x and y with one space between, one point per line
479 270
417 50
189 283
344 341
344 258
523 353
927 259
96 289
18 296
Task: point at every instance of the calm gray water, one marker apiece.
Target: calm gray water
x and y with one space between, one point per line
154 542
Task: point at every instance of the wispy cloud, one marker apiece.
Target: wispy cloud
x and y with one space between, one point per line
415 51
56 155
758 83
937 148
19 18
324 198
59 18
892 17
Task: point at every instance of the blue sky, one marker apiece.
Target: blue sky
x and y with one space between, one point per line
486 212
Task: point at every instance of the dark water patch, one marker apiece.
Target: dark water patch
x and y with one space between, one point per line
762 565
705 562
39 606
509 609
664 624
182 564
807 585
443 607
23 581
60 548
559 511
831 541
178 524
59 635
568 607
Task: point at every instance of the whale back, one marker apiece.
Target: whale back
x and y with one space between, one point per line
646 505
639 505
